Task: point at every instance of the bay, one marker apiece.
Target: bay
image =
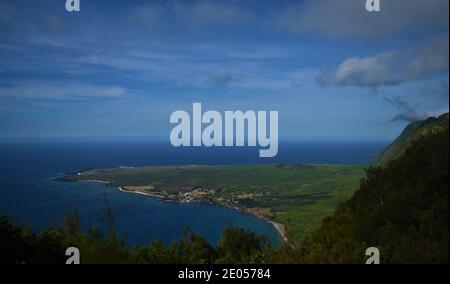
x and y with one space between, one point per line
29 193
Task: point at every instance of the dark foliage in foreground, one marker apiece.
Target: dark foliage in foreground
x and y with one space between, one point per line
19 245
402 209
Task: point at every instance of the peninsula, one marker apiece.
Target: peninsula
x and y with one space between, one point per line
294 198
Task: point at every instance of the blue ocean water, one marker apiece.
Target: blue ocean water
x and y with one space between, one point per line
29 194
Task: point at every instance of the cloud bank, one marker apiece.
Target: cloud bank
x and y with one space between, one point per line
406 112
392 67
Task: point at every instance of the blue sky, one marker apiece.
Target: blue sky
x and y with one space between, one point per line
120 68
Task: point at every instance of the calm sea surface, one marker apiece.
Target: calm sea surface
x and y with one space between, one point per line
29 194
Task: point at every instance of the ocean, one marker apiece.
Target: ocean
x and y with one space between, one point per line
30 195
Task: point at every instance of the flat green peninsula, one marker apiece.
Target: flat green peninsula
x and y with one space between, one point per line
294 197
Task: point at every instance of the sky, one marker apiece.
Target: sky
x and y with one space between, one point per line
331 69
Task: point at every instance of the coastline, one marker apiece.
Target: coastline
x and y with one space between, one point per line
280 228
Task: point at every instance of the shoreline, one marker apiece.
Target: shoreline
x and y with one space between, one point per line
280 228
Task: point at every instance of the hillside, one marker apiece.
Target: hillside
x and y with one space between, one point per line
412 132
402 209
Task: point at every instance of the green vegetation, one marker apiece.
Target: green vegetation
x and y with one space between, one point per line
402 209
296 196
20 246
412 132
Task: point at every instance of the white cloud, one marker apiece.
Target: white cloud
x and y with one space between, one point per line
392 67
410 113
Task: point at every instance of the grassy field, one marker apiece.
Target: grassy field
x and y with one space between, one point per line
297 196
